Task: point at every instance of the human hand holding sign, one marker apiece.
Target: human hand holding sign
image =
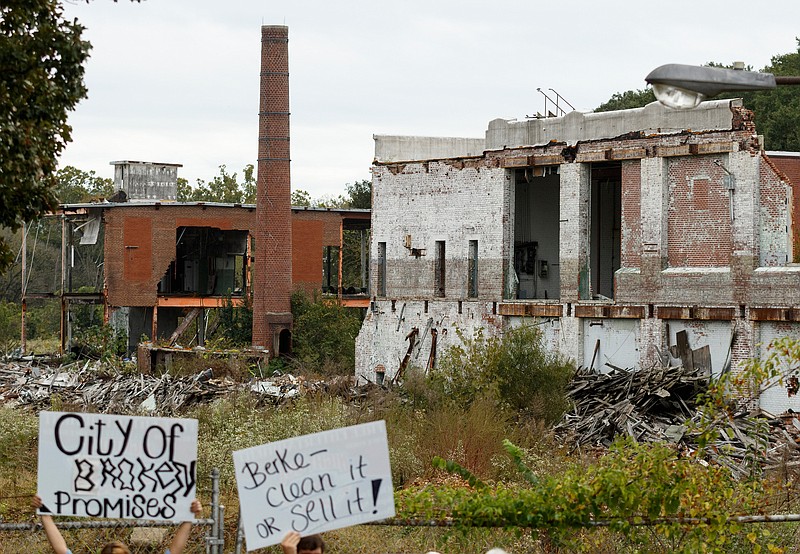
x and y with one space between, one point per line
289 543
293 543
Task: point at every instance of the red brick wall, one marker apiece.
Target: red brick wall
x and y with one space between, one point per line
132 274
307 255
773 190
631 214
699 223
273 264
138 249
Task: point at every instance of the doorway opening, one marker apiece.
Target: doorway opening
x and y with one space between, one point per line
536 232
605 227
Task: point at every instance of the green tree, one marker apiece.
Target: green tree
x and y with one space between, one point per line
777 111
627 100
324 335
74 185
42 56
224 188
184 190
301 197
359 194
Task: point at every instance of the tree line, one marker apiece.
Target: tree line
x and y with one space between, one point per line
776 111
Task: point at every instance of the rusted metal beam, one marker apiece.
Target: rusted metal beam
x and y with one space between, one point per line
524 309
199 301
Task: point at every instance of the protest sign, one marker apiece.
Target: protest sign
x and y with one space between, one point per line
101 465
314 483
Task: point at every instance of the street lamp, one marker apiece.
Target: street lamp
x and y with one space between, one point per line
685 86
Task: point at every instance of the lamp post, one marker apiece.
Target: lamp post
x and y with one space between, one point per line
685 86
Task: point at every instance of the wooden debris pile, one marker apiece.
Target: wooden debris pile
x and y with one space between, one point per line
644 404
659 405
90 385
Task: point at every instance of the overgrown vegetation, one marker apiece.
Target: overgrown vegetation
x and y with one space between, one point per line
324 335
515 370
236 324
470 442
449 460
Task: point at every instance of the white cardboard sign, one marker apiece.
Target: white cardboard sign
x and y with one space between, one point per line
314 483
101 465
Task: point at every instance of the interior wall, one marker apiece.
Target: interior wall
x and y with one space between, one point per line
536 233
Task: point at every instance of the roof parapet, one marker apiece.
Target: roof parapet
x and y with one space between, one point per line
715 115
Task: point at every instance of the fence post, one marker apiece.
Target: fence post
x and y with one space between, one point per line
221 530
212 536
239 534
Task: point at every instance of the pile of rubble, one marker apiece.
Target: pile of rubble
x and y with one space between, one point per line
659 405
33 382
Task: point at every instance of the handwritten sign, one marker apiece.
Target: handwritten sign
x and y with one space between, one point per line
100 465
314 483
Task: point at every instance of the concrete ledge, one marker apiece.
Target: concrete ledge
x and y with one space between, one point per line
394 148
715 115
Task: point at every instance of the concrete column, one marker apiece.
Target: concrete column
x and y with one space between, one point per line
654 221
746 220
574 232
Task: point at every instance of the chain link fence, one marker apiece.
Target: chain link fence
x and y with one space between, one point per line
142 537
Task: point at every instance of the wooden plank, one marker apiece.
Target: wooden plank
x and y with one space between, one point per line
191 316
701 358
684 350
594 356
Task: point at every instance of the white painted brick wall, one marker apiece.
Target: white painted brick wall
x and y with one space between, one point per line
432 202
382 339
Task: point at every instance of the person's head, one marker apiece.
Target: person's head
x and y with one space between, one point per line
311 544
115 547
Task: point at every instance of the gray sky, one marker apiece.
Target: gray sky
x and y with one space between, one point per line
177 80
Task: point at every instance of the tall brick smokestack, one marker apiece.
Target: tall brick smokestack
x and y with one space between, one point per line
272 282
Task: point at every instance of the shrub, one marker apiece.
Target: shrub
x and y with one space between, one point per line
101 342
324 335
515 370
236 323
10 320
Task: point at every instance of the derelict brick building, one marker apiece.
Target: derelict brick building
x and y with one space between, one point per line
632 238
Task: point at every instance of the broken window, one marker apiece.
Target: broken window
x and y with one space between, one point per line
355 262
330 269
439 270
208 261
472 270
381 269
536 232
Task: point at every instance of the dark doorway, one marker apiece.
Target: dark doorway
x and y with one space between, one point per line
537 203
604 231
